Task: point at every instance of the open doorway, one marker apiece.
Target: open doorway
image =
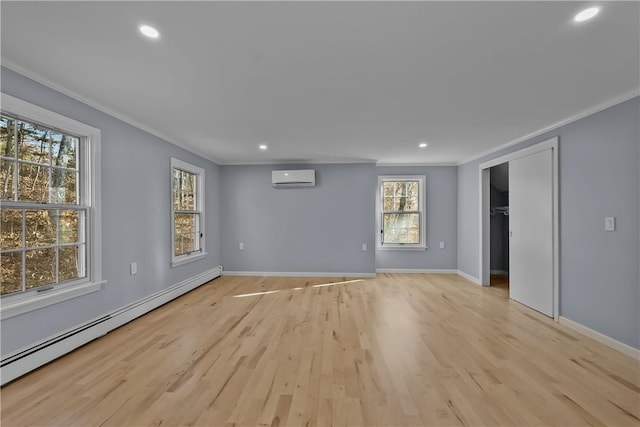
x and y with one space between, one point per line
499 225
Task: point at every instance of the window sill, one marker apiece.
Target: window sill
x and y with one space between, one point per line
176 262
23 305
402 248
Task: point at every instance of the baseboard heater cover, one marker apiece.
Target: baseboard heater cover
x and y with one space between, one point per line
25 360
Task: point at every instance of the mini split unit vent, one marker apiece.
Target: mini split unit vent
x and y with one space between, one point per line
294 178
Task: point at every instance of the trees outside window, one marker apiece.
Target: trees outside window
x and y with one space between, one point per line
187 212
401 212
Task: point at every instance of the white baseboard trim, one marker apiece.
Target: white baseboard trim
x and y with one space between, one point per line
293 274
469 277
601 338
416 271
27 359
500 272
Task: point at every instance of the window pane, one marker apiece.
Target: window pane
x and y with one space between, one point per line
387 204
185 223
70 266
41 267
398 189
184 185
6 179
401 228
188 201
176 188
6 137
68 226
188 243
412 188
186 233
11 228
412 204
177 238
188 182
10 272
400 204
63 186
41 228
33 185
33 143
387 189
64 150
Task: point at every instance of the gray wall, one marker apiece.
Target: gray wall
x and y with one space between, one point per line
309 229
441 188
135 218
599 167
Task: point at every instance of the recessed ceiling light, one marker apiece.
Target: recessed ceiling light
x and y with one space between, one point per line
422 145
262 146
149 31
586 14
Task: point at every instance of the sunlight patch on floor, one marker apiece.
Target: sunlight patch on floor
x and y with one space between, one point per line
297 289
336 283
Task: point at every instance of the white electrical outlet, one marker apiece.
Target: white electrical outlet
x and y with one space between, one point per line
241 246
609 223
364 246
134 268
441 245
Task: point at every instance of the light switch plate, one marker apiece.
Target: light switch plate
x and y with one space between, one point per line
609 223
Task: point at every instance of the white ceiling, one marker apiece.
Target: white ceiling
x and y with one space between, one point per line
331 81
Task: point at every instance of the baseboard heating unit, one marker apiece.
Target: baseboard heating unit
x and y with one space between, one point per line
27 359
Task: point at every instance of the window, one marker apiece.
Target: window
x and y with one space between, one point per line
401 212
49 219
187 212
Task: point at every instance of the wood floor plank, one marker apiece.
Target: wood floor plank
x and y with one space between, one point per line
397 350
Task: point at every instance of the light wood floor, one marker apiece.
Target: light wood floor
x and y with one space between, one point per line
398 350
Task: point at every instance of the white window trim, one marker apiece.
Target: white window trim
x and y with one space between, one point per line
423 233
199 172
13 305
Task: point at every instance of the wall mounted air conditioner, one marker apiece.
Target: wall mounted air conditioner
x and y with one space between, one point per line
293 178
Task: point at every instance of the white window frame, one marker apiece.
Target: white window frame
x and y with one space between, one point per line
380 214
200 209
89 191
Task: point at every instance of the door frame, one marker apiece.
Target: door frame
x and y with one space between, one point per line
484 226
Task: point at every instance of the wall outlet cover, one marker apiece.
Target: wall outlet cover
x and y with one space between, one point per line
609 223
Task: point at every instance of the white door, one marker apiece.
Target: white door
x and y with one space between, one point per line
531 231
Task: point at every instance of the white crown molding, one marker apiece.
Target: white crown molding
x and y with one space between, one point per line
390 164
581 115
601 338
100 107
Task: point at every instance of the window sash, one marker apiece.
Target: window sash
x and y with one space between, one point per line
29 246
80 242
386 233
16 160
187 210
179 244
